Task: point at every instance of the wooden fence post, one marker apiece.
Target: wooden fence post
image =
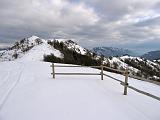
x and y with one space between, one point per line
126 82
53 71
102 72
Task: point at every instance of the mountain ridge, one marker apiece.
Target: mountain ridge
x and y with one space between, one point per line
68 51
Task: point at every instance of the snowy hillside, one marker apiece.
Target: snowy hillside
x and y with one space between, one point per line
37 52
147 68
28 92
32 48
74 46
137 59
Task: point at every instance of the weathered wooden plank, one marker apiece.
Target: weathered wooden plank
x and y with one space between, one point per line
101 72
76 66
126 82
144 79
142 92
116 70
77 73
53 71
145 93
113 78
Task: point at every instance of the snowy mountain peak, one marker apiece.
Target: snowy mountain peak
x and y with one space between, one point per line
31 48
33 37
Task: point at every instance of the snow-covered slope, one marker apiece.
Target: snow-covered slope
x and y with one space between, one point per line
32 48
28 92
139 60
37 53
119 62
71 45
76 47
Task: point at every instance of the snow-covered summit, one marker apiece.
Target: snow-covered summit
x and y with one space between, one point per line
33 48
37 53
33 37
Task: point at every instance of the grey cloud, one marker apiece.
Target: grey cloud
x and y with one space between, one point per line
156 6
92 23
110 9
149 22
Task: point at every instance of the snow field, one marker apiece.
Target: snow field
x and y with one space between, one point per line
37 53
37 96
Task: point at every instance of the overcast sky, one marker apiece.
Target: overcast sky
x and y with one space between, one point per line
133 24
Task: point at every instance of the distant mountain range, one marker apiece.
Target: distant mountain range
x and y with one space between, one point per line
112 51
3 48
118 52
153 55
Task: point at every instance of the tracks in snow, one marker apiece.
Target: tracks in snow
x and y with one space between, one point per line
9 81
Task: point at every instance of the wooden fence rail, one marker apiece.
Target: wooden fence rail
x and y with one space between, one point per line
135 89
125 73
144 79
54 73
75 66
77 73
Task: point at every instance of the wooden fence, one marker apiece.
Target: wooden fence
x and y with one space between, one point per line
125 73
